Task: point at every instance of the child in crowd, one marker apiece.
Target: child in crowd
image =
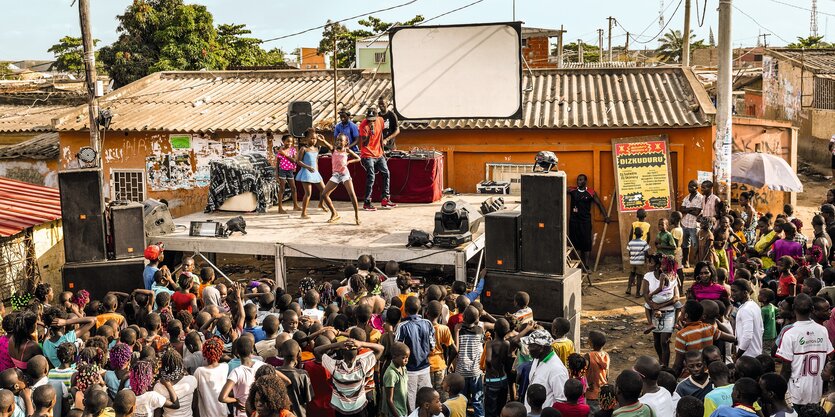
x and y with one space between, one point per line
470 337
562 345
286 157
308 159
598 369
456 404
629 386
678 236
536 398
705 238
427 403
665 242
577 367
444 348
638 249
641 224
571 407
340 161
769 313
395 382
498 361
523 314
786 283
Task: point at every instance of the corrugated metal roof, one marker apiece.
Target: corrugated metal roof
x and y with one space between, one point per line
42 146
15 118
23 205
818 60
257 101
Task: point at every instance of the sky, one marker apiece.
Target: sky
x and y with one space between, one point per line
27 31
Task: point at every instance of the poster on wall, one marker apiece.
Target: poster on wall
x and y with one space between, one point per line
642 174
180 141
205 150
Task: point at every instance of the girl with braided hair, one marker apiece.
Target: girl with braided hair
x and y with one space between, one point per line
210 379
86 375
268 398
118 377
141 378
43 294
172 370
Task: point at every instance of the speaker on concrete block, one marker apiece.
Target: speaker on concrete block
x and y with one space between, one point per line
544 224
157 218
299 117
127 230
501 240
551 296
98 278
82 214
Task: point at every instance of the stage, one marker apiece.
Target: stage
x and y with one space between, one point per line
383 234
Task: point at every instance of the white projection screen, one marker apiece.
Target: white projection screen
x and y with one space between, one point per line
457 71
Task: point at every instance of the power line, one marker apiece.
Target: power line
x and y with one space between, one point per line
450 12
758 24
663 28
650 23
340 21
801 7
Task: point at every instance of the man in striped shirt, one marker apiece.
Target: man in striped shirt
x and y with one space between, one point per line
470 338
348 369
695 335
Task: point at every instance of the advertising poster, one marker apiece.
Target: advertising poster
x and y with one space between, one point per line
642 171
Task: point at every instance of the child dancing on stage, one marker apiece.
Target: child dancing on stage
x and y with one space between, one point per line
308 158
285 160
340 162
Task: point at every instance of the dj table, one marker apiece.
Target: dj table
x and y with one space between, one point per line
411 180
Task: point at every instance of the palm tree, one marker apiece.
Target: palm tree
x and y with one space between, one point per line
812 42
671 44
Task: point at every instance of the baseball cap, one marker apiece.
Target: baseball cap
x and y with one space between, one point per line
538 337
371 112
152 252
828 208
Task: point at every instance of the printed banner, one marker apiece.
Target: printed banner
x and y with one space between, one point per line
642 175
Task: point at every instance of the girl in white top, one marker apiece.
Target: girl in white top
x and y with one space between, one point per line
340 175
173 371
210 380
141 377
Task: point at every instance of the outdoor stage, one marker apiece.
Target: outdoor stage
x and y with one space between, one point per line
382 234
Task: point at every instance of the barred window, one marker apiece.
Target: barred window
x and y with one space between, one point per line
128 185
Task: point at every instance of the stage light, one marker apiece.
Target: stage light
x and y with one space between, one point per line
455 224
545 161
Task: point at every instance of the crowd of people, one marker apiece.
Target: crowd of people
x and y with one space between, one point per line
752 335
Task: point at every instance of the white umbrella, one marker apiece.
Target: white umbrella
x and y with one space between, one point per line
764 170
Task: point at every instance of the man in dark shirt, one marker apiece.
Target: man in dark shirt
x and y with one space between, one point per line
419 334
392 128
828 213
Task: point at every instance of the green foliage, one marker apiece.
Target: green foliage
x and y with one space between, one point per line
346 40
671 44
811 42
591 53
69 55
238 49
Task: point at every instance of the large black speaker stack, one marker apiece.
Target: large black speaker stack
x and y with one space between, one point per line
525 250
103 246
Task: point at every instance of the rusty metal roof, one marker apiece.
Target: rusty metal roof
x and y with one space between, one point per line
256 101
42 146
23 205
821 61
16 118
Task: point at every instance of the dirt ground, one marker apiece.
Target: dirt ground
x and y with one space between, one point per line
605 307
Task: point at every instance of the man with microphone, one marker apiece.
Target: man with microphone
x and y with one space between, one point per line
371 155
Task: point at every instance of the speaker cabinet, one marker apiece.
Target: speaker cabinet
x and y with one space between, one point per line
82 213
544 224
127 230
100 277
551 296
299 117
501 240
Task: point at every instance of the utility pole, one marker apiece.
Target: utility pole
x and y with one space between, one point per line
90 75
580 51
685 44
765 39
612 22
600 44
724 93
559 46
626 48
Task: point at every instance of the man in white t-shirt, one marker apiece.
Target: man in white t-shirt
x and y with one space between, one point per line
691 207
804 349
749 320
547 369
658 399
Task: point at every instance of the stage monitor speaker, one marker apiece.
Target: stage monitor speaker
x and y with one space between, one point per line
551 296
127 230
544 223
501 240
98 278
299 117
157 218
82 213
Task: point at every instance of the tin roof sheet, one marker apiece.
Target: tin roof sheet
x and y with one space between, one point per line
23 205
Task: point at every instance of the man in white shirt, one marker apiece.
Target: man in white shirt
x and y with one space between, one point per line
804 349
547 369
749 320
709 203
691 207
658 399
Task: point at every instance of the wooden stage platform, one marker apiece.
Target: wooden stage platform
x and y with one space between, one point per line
382 234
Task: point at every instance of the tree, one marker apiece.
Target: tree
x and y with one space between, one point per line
591 53
671 44
811 42
237 49
346 40
69 55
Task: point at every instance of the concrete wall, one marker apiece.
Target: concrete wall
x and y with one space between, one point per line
175 169
365 58
782 86
33 171
49 250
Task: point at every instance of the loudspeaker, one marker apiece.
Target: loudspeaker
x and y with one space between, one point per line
299 117
157 218
544 223
82 213
551 296
501 240
127 230
100 277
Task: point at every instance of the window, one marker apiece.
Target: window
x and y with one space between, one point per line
379 57
524 43
128 185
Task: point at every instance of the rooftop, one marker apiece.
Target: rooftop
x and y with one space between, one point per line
821 61
42 146
19 118
257 101
23 205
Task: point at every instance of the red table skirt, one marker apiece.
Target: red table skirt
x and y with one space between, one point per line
411 180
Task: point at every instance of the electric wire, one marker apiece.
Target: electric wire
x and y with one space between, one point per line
663 28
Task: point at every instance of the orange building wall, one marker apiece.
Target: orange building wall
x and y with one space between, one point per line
310 59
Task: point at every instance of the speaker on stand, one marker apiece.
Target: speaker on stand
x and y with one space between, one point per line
299 117
82 213
544 224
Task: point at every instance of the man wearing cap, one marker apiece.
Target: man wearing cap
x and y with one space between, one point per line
153 253
547 369
348 127
372 158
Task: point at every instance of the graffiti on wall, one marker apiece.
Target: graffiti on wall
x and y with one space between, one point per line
764 200
779 92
